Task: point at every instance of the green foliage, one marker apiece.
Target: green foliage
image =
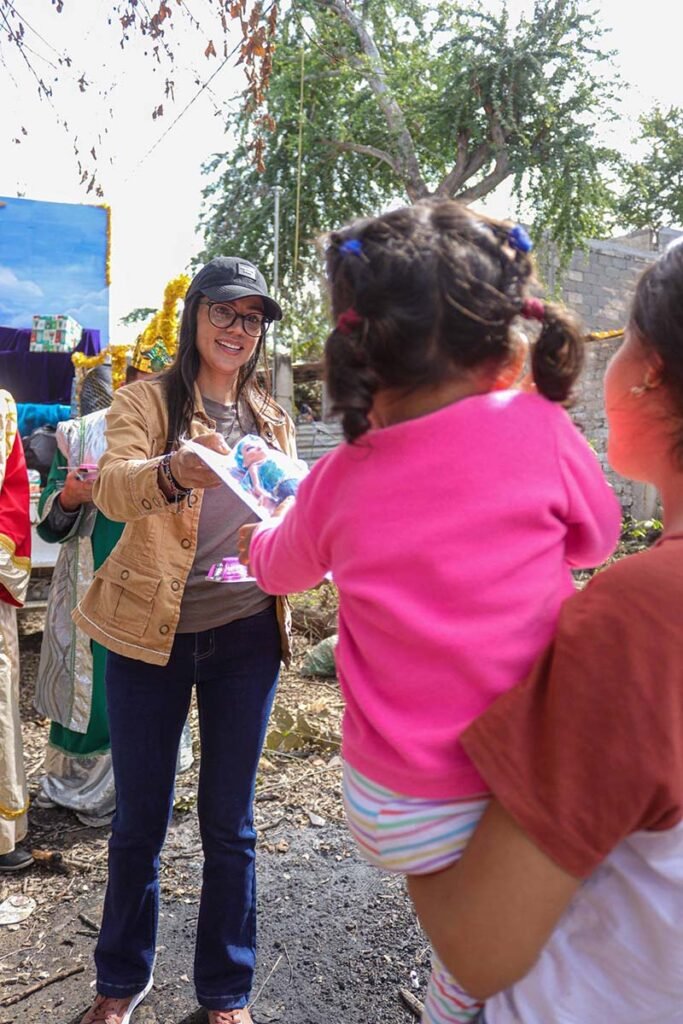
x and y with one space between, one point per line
407 98
637 534
653 194
140 315
306 325
305 731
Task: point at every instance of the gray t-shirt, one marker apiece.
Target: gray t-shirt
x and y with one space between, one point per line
206 604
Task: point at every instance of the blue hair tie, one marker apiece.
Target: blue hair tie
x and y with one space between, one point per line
353 245
519 239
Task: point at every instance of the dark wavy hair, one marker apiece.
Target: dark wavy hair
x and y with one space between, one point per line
657 316
179 379
436 288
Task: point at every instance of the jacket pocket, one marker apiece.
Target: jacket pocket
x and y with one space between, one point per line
126 597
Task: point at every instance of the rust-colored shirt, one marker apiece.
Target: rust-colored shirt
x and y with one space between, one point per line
589 749
587 756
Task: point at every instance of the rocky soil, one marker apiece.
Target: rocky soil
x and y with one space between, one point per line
338 942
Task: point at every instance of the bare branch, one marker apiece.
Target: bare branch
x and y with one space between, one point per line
407 164
501 169
499 173
464 168
356 147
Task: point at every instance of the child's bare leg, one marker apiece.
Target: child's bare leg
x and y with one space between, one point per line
446 1001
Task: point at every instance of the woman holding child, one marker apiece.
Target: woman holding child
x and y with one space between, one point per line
583 762
568 901
167 629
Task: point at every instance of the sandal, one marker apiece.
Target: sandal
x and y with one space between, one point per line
110 1010
240 1015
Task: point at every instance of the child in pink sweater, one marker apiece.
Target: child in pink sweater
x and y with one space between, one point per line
450 520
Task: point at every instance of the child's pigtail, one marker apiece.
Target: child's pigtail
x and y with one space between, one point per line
557 356
351 382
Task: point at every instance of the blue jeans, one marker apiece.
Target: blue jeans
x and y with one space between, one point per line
235 669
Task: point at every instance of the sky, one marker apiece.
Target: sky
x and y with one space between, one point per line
151 170
32 281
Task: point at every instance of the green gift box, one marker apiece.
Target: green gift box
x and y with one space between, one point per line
55 333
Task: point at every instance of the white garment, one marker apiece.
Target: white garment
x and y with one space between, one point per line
13 790
616 956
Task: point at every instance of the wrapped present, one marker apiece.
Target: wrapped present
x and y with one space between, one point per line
55 334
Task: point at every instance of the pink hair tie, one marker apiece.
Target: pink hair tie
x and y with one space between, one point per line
348 321
533 309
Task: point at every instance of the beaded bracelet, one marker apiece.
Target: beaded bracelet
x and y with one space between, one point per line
178 492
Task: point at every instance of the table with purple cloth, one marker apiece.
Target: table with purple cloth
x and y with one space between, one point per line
40 377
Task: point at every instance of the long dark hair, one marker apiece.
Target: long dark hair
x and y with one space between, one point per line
436 289
179 379
657 315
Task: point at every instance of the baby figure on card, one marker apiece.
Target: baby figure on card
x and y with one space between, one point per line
268 475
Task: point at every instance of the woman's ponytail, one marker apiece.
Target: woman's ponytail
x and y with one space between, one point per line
557 356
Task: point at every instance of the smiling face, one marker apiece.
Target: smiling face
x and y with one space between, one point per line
224 350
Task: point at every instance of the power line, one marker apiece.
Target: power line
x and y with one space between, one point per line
22 18
185 109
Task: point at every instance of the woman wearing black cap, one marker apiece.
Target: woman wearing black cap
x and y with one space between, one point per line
167 628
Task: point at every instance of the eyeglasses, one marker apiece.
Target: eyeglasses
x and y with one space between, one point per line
222 315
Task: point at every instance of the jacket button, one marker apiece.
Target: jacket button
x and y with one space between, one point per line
146 504
175 585
163 629
192 500
185 543
125 574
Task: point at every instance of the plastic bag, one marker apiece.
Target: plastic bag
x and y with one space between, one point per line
39 449
319 661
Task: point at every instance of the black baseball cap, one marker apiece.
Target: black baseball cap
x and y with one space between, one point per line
229 277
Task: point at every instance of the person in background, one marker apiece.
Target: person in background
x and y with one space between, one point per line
168 629
70 681
15 569
450 521
567 904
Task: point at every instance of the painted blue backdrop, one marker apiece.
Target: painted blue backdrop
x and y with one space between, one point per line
53 259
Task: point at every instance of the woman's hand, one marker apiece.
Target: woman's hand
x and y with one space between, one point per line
190 471
76 491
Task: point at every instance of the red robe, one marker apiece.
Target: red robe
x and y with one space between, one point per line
15 523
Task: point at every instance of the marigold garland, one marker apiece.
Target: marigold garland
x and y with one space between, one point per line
117 354
107 256
604 335
119 362
162 330
163 327
85 363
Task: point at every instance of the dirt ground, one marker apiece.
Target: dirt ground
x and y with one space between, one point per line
338 941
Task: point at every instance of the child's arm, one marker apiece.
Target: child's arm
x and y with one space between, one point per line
593 514
282 553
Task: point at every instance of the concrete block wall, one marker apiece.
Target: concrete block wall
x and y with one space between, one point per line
598 285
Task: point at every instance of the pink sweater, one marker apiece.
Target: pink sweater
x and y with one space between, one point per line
450 539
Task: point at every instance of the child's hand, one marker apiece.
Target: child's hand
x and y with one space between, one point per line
244 541
283 508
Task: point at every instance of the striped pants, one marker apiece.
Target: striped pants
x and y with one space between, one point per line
411 836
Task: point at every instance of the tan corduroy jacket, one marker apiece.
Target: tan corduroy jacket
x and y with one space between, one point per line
133 604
